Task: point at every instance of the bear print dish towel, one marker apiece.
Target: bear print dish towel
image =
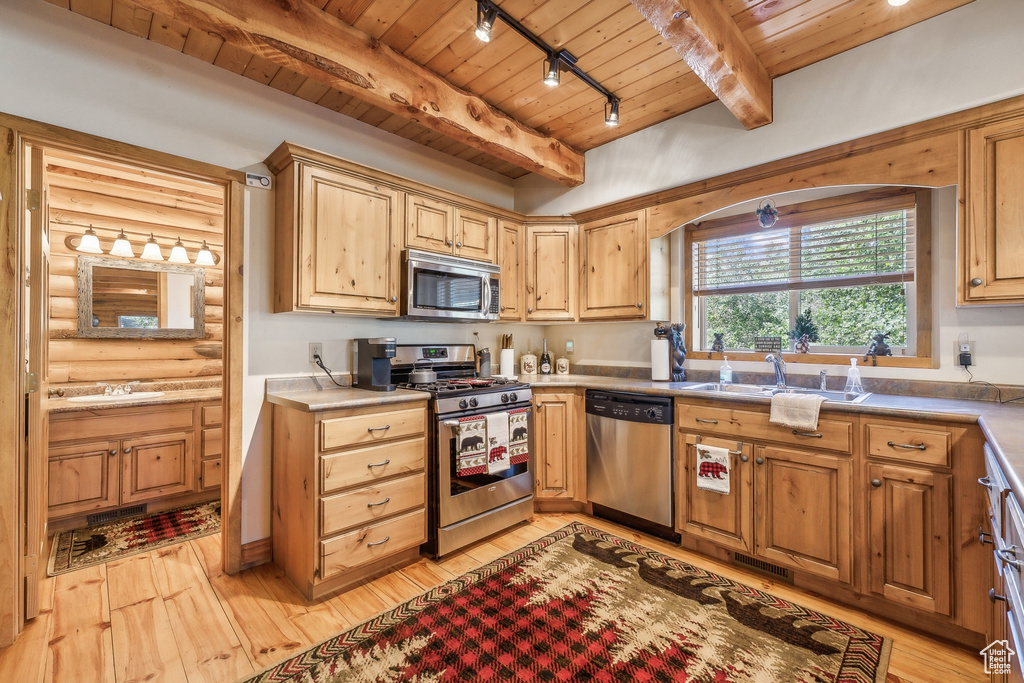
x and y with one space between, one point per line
497 443
471 446
713 468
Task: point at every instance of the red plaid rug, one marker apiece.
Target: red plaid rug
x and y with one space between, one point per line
583 605
108 541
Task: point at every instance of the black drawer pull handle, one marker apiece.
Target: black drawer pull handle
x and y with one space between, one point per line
378 429
371 465
386 539
710 422
909 446
986 482
383 502
809 435
993 596
984 536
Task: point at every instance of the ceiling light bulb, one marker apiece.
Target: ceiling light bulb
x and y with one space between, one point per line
551 70
151 252
611 112
89 244
205 256
178 254
898 3
485 16
122 247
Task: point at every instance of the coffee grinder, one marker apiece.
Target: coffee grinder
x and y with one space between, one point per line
373 363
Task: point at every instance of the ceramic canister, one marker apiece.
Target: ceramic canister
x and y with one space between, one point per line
562 366
528 364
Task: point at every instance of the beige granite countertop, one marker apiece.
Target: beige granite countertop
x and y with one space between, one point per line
317 400
63 405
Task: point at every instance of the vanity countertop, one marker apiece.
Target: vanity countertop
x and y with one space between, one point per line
63 405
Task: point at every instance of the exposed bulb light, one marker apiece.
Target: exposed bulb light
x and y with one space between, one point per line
205 256
151 252
178 254
898 3
551 70
611 112
122 247
89 244
485 16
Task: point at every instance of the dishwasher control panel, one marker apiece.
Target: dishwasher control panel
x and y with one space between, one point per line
630 407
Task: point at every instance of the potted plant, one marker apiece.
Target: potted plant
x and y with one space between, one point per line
805 331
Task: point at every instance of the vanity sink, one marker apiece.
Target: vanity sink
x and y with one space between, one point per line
768 391
115 398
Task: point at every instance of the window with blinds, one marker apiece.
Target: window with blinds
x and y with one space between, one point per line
871 249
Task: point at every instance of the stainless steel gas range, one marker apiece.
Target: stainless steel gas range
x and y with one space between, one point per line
471 497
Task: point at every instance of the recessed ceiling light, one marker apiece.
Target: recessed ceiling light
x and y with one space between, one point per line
898 3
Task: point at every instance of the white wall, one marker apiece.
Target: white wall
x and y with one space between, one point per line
963 58
64 69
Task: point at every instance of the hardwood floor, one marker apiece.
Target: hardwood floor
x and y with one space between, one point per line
173 615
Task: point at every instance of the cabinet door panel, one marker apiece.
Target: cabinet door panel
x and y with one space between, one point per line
475 234
82 478
551 273
724 519
993 242
511 258
614 284
348 251
156 466
429 224
804 513
909 522
210 474
555 439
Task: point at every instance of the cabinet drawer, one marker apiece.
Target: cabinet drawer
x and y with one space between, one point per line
911 444
104 424
209 474
831 434
366 505
368 465
212 416
355 548
213 442
360 430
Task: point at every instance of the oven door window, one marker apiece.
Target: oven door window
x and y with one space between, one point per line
465 484
435 290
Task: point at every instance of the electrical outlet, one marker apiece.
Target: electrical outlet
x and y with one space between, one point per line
315 349
965 347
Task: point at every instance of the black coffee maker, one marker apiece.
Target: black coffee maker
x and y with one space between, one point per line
373 363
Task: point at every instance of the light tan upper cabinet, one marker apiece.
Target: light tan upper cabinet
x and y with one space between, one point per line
429 224
992 241
614 284
512 259
475 235
551 271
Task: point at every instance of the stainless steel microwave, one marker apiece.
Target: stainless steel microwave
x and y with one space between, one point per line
446 288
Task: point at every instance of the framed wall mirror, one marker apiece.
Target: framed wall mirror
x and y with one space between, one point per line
122 299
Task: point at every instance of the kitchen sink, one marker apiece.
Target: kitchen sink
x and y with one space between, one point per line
115 398
768 391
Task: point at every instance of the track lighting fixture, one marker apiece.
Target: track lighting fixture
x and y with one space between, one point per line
486 13
611 111
555 62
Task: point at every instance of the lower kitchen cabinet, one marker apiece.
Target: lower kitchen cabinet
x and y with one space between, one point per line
727 521
350 491
83 477
157 466
559 442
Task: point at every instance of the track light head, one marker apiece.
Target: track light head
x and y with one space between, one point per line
611 111
485 16
551 69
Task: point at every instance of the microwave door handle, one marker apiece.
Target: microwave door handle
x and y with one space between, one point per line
485 281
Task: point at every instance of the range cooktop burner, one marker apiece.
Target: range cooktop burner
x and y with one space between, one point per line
449 386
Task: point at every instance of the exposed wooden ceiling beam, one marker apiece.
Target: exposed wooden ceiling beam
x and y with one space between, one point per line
711 43
297 35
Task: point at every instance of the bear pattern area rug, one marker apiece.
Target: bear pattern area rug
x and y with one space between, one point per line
584 605
108 541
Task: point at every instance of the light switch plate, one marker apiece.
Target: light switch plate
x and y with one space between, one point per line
569 346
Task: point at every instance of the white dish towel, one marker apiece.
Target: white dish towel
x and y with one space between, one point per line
799 411
713 469
497 443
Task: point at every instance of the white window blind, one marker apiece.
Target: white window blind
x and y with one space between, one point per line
876 248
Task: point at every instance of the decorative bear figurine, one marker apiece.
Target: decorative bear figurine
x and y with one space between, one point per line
718 346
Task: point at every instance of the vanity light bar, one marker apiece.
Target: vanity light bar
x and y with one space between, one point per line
88 243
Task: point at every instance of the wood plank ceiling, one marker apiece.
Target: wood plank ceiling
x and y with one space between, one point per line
612 41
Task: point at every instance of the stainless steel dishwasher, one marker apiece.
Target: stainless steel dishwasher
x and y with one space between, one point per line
629 460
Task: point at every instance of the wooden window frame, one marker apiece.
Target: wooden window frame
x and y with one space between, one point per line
833 208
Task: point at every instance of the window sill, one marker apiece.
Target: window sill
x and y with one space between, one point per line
820 359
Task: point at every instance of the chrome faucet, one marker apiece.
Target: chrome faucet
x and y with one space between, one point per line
107 391
775 358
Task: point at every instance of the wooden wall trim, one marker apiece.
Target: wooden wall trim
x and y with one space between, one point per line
11 399
819 168
231 488
257 552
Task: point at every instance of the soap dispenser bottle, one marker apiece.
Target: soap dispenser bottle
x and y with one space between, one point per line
725 372
853 384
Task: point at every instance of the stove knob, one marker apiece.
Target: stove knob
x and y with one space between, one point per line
504 398
473 402
512 397
463 404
